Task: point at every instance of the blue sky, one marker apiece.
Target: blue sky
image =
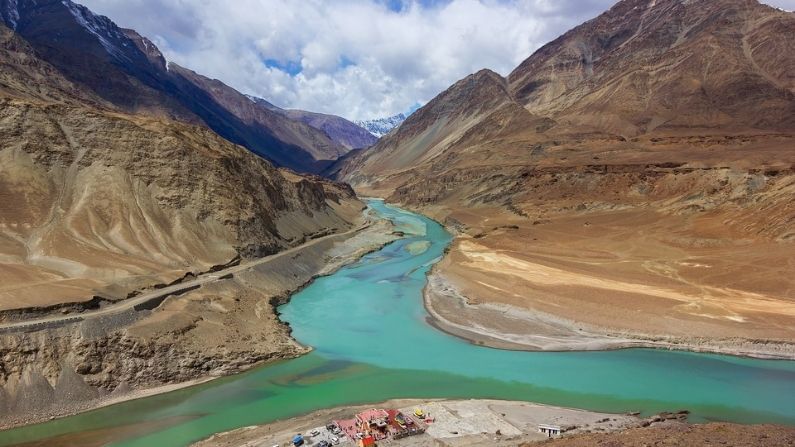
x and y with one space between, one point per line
359 59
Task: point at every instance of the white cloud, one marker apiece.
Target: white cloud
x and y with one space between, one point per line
359 59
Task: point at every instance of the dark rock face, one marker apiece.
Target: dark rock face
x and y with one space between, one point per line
267 133
129 72
93 52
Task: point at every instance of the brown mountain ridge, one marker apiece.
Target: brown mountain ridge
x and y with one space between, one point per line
644 160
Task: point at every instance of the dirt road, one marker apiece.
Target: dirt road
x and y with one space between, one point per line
148 298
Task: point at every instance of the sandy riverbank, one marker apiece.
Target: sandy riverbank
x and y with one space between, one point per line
561 280
685 435
504 326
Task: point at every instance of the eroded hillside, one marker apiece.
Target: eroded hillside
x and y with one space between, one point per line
95 198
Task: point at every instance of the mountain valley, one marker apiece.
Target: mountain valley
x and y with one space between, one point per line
620 182
630 184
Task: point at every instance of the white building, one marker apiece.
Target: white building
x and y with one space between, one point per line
549 430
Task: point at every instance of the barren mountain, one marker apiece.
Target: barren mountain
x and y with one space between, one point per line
93 196
98 203
128 71
633 179
670 66
288 142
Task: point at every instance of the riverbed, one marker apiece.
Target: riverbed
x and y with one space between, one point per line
372 342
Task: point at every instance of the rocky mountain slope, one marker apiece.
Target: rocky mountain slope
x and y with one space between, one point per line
166 199
644 67
93 196
129 72
652 145
382 126
109 186
667 66
271 134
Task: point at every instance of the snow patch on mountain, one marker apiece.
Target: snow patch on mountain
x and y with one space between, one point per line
382 126
101 27
12 14
264 103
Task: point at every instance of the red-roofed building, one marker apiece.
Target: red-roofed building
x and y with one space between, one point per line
372 416
367 441
377 424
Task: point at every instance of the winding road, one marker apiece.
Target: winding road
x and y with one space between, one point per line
145 298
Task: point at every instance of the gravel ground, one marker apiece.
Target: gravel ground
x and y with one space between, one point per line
459 423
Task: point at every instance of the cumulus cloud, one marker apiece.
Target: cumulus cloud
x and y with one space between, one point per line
356 58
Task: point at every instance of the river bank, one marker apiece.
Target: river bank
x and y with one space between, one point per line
503 326
460 423
581 283
482 423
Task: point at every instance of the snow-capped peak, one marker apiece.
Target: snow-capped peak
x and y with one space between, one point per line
382 126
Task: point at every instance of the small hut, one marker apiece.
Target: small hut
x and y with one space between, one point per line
549 430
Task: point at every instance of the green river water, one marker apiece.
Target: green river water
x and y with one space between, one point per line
372 342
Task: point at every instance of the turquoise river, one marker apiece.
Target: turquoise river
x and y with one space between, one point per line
373 342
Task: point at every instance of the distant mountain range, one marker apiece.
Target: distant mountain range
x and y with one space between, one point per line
127 71
382 126
341 131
